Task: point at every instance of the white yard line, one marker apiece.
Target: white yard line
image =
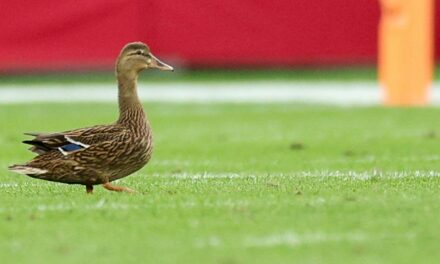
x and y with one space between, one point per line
337 93
322 174
293 239
259 92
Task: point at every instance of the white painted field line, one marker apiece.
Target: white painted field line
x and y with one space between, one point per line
323 174
349 175
293 239
339 93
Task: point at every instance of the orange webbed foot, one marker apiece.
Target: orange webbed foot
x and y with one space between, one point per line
114 188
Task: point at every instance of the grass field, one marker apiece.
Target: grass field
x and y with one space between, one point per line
235 184
326 74
202 75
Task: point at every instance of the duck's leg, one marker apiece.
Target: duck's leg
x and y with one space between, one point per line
112 187
89 189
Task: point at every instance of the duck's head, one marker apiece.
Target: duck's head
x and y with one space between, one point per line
136 56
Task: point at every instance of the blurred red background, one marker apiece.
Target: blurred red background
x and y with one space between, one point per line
76 34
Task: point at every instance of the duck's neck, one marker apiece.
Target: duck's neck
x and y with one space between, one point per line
131 112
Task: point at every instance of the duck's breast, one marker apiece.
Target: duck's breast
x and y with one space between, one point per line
135 156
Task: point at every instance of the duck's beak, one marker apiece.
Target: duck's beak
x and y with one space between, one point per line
158 64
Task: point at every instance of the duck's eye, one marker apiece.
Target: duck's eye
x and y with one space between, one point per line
139 52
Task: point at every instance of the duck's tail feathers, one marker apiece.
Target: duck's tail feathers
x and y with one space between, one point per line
27 170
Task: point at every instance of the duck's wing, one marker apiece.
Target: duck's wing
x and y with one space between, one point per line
74 140
74 156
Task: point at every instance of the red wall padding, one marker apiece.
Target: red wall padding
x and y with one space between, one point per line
71 34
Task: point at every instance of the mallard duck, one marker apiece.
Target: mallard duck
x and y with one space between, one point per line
103 153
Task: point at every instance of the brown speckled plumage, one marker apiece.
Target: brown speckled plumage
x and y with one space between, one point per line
104 153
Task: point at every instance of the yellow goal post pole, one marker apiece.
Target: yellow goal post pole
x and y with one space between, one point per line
406 51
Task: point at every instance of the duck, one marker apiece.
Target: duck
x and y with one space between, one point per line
100 154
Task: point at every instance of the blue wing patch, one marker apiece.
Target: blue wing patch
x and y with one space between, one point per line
71 147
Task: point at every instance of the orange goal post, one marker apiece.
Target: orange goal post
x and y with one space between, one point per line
406 56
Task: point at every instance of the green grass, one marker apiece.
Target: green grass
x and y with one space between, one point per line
235 184
339 74
324 74
203 75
